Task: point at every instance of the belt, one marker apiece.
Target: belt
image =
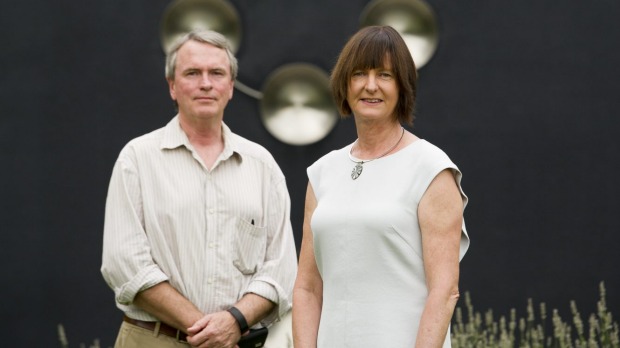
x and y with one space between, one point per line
164 328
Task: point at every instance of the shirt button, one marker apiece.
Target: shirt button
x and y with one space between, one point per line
211 211
210 281
211 245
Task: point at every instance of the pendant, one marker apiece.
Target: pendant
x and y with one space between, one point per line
357 170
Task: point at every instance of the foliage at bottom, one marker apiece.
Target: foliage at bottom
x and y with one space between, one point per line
535 331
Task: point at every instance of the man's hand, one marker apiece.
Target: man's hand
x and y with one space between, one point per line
217 330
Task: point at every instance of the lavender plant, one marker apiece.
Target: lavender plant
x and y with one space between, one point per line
476 331
64 343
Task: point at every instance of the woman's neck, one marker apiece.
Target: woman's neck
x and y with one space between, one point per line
374 140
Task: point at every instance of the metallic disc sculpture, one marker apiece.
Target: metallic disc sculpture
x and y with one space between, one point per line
413 19
297 107
183 16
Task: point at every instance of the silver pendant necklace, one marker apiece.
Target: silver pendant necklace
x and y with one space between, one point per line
357 170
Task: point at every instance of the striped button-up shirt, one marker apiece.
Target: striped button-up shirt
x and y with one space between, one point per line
215 235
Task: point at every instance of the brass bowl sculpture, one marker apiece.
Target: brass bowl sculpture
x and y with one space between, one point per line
413 19
182 16
296 106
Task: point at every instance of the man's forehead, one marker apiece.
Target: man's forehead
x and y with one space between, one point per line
189 54
194 42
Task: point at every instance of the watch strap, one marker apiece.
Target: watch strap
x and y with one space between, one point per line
236 313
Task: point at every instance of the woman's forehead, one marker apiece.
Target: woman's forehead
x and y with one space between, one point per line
373 63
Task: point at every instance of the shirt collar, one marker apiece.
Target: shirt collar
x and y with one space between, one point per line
174 137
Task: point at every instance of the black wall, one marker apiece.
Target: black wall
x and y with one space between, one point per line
521 94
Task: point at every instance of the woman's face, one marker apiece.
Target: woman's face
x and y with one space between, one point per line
373 93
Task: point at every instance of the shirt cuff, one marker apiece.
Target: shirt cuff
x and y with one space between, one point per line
146 278
263 289
267 291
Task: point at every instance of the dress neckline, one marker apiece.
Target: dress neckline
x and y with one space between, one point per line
348 151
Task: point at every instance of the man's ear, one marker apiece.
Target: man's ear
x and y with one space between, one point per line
232 90
171 89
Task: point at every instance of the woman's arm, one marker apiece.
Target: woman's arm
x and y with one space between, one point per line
308 291
440 215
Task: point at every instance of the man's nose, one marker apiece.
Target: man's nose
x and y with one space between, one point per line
205 81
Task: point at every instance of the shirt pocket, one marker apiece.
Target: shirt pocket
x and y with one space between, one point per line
249 245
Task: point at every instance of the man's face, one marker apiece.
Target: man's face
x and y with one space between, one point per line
202 84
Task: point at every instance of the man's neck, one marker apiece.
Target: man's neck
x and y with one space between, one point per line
202 132
205 136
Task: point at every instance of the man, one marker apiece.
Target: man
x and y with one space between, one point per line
198 243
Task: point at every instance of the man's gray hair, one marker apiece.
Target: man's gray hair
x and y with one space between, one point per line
205 36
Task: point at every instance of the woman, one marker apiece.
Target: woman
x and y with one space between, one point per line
383 226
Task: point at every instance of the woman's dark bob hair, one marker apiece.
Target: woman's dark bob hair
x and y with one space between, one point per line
368 49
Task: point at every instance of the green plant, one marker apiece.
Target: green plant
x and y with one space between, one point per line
532 332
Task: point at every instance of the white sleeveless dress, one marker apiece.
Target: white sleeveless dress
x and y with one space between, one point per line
367 245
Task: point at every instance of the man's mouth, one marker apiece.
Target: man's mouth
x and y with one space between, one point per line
204 98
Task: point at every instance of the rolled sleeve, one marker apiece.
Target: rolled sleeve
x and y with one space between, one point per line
127 265
266 288
146 278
